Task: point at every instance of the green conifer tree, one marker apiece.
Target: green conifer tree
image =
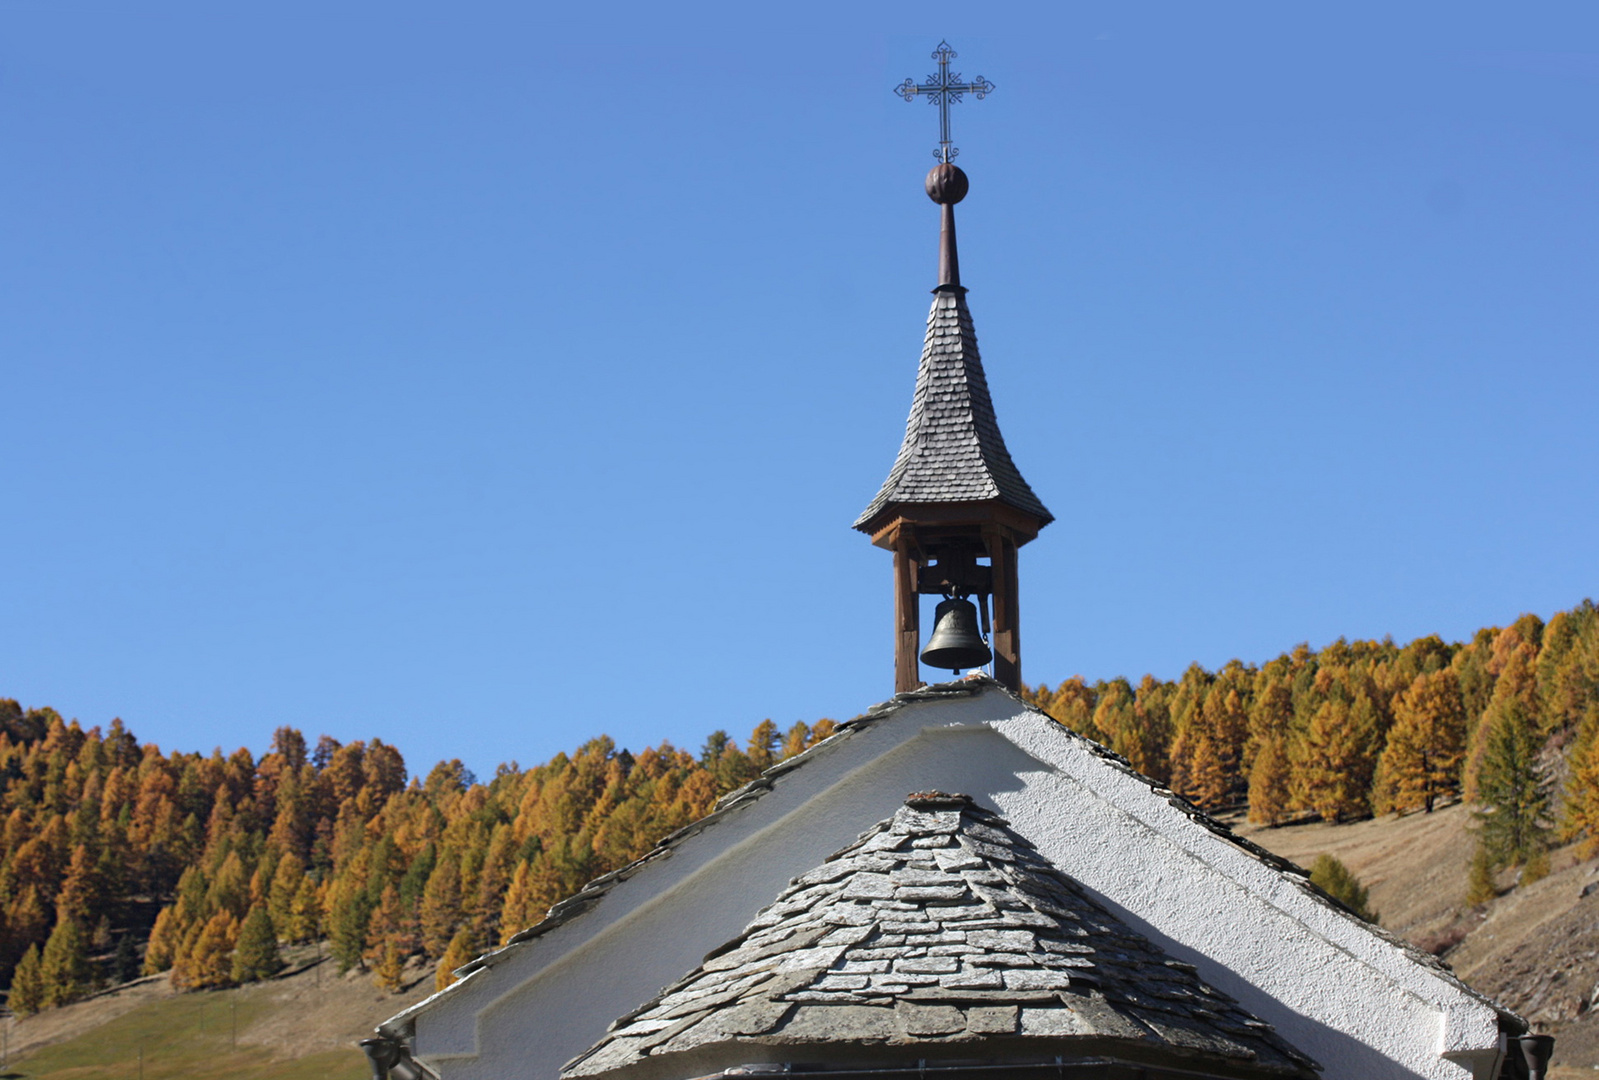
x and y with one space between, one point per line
1480 884
65 964
1145 737
27 984
256 955
348 924
1513 796
1515 690
1330 874
126 963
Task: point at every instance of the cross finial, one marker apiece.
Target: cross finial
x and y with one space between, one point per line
944 89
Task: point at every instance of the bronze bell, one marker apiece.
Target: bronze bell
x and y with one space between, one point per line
955 643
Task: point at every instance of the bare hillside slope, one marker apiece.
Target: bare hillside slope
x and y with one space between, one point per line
302 1025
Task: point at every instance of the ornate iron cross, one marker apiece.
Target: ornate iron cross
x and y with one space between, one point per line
943 90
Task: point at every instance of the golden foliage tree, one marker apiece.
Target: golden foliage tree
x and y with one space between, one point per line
1145 733
1337 759
1113 715
1072 703
1269 780
205 960
1582 790
1421 762
460 952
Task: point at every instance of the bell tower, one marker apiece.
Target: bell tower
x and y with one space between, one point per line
954 509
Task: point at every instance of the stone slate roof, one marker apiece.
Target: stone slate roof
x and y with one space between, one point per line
937 929
953 451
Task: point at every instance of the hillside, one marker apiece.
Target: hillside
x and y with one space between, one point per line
301 1025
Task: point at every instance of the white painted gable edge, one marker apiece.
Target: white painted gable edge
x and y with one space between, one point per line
1283 884
585 899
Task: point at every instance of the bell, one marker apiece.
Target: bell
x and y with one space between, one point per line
955 643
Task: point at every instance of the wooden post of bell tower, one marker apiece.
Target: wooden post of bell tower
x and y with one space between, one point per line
954 509
907 618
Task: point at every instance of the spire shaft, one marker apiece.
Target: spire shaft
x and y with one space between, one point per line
947 185
949 263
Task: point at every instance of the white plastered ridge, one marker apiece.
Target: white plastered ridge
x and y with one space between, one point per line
1322 977
1351 999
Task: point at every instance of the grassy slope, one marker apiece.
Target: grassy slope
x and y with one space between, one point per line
188 1037
301 1026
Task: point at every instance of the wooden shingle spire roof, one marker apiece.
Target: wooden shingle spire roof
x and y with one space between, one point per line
940 934
953 451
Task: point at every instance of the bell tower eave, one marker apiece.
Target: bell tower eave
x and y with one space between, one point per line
970 518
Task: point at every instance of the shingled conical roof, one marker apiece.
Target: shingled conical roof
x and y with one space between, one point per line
940 934
953 450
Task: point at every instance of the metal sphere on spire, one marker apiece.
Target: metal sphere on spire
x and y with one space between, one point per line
947 184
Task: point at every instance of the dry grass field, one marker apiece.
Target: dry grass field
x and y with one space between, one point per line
303 1025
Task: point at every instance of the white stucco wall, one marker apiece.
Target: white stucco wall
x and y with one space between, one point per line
1352 1001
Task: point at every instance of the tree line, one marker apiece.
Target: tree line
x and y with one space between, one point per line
1507 722
117 858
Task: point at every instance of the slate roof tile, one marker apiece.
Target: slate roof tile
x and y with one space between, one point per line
1048 964
953 450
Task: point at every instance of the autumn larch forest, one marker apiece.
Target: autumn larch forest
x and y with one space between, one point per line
118 860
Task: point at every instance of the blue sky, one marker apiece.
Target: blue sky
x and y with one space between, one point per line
486 377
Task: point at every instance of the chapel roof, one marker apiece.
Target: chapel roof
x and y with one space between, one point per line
953 450
938 929
577 907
